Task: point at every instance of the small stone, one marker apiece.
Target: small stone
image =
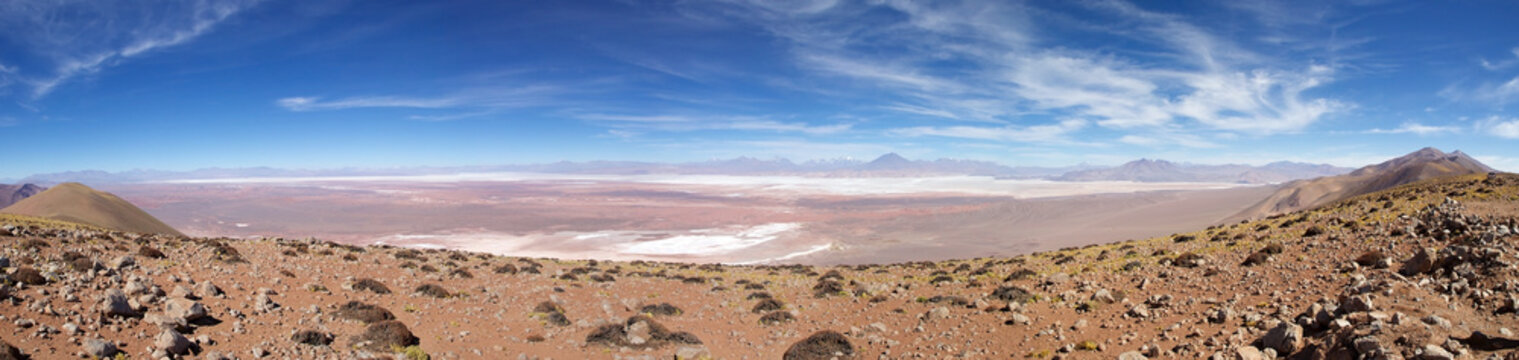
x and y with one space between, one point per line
1359 303
1436 320
1435 352
638 333
1132 355
938 313
1248 353
206 289
123 262
263 303
692 353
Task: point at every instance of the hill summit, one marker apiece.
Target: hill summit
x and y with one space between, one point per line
1424 164
74 202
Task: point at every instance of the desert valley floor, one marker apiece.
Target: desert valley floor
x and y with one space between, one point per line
729 219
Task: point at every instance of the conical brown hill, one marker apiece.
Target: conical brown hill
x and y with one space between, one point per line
1427 163
76 203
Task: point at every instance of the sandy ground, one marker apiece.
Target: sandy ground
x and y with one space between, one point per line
1019 227
728 219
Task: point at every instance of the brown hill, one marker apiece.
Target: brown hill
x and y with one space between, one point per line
10 194
1427 163
74 202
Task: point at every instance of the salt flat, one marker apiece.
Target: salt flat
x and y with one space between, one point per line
695 218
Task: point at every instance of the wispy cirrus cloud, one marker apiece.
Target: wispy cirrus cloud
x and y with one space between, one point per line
486 98
1047 133
69 39
1164 139
681 123
1507 128
1502 64
1496 93
1487 91
1417 129
994 62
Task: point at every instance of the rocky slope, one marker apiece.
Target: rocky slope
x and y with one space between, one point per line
1422 271
76 203
1427 163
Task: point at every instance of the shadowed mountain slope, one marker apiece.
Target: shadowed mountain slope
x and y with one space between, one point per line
10 194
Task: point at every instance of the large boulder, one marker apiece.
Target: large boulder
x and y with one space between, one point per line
100 348
187 309
115 303
172 342
1422 262
1286 338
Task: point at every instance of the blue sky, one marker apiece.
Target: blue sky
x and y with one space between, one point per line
179 85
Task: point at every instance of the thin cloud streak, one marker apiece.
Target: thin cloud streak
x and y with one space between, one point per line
488 98
1417 129
686 123
104 35
1216 84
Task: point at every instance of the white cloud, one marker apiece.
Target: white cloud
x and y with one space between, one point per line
913 109
83 37
451 117
1047 133
679 123
1500 64
1168 139
1488 92
1500 127
316 103
1002 70
483 98
1416 129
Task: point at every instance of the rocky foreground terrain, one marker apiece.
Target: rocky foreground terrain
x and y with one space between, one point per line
1424 271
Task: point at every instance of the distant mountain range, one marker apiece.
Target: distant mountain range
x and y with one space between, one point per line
1147 170
888 165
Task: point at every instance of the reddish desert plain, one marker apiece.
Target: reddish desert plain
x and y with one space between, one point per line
694 218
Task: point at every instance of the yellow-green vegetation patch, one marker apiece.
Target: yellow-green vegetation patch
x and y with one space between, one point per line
26 220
